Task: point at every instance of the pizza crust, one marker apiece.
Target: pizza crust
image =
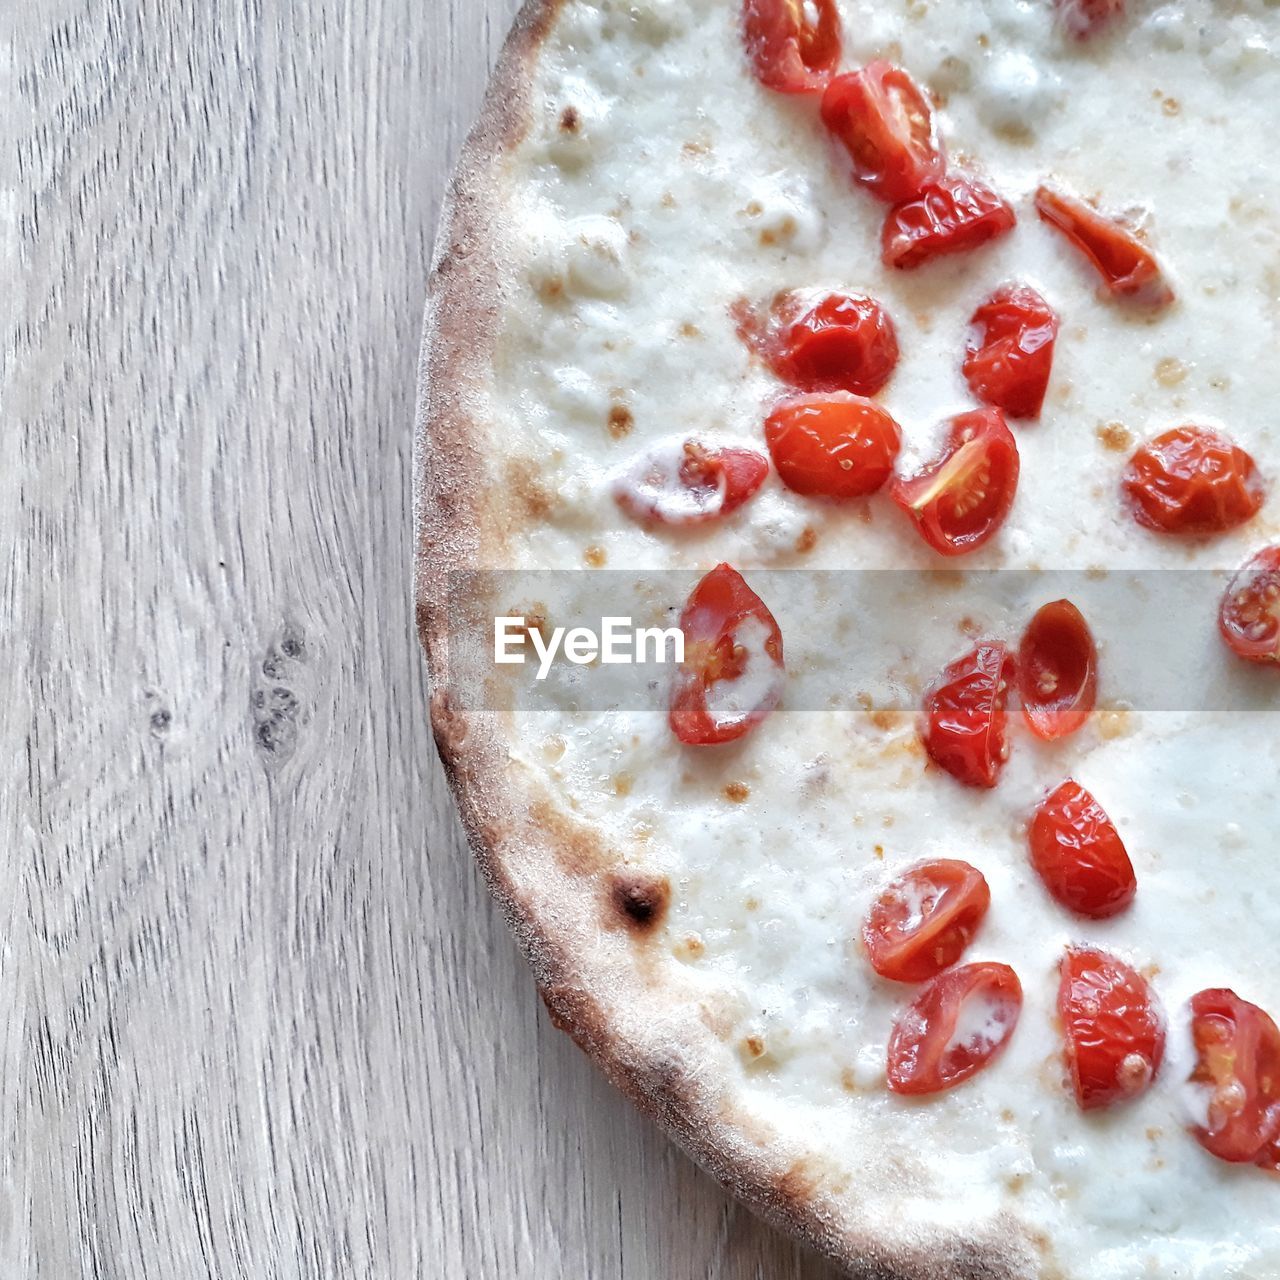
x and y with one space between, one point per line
586 920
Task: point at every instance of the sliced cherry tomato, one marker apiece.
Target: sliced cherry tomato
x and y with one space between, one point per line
1085 18
1250 615
1114 1027
688 482
963 496
953 215
1238 1069
966 715
1057 671
1192 480
1009 365
1077 852
732 673
846 342
1127 267
788 51
958 1024
885 121
923 921
834 446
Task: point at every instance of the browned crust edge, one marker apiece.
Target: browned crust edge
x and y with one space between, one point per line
452 526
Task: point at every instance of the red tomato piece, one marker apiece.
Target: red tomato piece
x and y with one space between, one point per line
1127 267
963 496
1057 671
687 482
1238 1070
958 1024
1114 1028
1077 852
923 921
1085 18
1192 480
953 215
966 715
835 445
732 673
846 342
787 51
885 122
1008 366
1249 618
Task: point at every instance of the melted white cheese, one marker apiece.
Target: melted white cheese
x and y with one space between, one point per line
759 683
981 1024
655 483
683 186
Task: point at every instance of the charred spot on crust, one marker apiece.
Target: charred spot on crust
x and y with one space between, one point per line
570 121
640 900
1115 436
887 719
807 540
621 420
799 1182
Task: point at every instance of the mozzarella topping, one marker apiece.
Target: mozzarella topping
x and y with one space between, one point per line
759 683
655 482
981 1023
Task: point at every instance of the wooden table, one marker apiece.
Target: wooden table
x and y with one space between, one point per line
262 1018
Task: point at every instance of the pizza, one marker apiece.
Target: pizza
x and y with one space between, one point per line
909 367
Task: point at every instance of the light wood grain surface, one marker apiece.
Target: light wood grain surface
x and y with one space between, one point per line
262 1019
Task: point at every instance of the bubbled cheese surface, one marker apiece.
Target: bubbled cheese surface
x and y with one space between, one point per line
658 184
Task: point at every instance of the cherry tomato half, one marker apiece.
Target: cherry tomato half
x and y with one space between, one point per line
688 482
1192 480
1249 618
1077 852
834 446
923 921
1085 18
1127 267
1057 671
958 1024
788 52
1238 1071
1009 365
1114 1028
966 716
963 496
953 215
885 122
846 342
732 673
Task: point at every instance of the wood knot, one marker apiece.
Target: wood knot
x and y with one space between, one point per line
278 702
641 901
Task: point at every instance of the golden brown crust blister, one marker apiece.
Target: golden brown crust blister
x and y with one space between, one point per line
539 862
